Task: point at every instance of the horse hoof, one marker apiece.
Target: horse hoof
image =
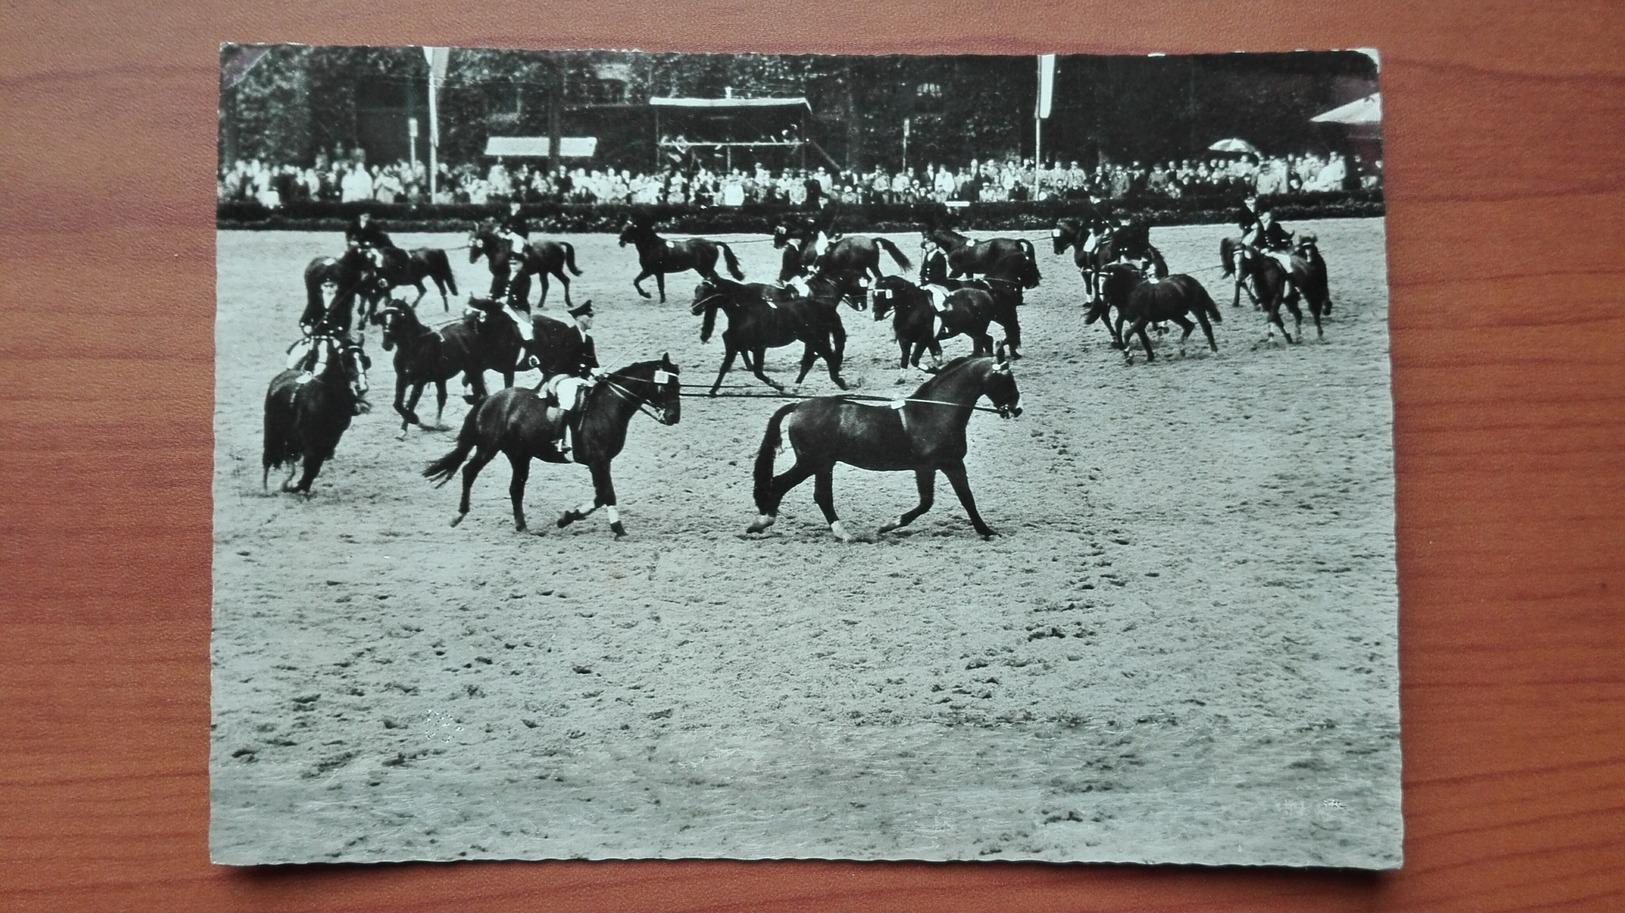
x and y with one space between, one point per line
618 529
457 519
566 518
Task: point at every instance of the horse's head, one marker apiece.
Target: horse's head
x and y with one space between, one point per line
1066 233
781 234
398 319
1308 243
888 294
476 244
355 364
634 232
707 295
850 286
1000 387
654 384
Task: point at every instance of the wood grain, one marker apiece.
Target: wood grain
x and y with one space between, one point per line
1505 195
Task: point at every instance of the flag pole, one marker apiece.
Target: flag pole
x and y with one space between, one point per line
1046 93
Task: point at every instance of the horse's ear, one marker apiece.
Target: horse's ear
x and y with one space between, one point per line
999 353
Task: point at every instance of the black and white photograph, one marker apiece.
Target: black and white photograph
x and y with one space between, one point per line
634 455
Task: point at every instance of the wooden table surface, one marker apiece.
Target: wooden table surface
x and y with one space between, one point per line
1505 187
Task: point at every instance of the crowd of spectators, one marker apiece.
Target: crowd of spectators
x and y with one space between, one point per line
345 176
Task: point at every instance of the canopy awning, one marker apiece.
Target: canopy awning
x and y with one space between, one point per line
726 103
518 147
1367 110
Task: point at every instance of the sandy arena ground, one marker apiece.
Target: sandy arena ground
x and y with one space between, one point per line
1182 648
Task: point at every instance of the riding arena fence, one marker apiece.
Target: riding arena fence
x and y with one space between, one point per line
761 218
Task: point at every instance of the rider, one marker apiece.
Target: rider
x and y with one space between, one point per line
515 228
1098 220
363 232
1247 221
568 389
330 316
1270 237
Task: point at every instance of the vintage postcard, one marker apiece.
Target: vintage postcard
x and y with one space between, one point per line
655 455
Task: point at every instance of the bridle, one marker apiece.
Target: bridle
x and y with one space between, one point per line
658 413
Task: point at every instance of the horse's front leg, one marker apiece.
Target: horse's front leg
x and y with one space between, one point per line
727 362
956 478
406 410
660 283
637 283
925 480
423 290
603 496
1145 340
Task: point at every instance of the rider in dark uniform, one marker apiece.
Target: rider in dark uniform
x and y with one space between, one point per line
515 228
365 233
579 372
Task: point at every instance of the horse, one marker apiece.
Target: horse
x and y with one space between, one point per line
356 274
1307 249
757 322
399 267
1130 241
538 258
1007 258
1277 286
1140 301
521 425
925 433
918 325
657 256
307 413
469 347
850 254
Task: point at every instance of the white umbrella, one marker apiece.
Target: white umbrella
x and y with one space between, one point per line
1235 147
1367 110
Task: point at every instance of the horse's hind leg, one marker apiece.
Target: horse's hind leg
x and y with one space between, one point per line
956 478
516 487
824 496
565 282
541 277
471 471
1189 328
1207 330
926 481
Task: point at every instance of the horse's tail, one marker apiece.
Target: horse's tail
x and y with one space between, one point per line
570 257
440 268
765 502
897 255
1032 259
1205 301
733 262
440 471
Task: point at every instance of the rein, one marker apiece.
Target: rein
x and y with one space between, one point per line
852 397
643 405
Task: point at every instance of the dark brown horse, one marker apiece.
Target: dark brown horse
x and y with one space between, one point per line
307 413
657 256
924 433
919 324
759 318
399 267
1006 258
1277 286
522 426
1139 301
1131 242
510 276
489 341
355 271
851 254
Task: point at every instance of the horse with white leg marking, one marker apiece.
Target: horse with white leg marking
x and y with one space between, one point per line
521 425
924 433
